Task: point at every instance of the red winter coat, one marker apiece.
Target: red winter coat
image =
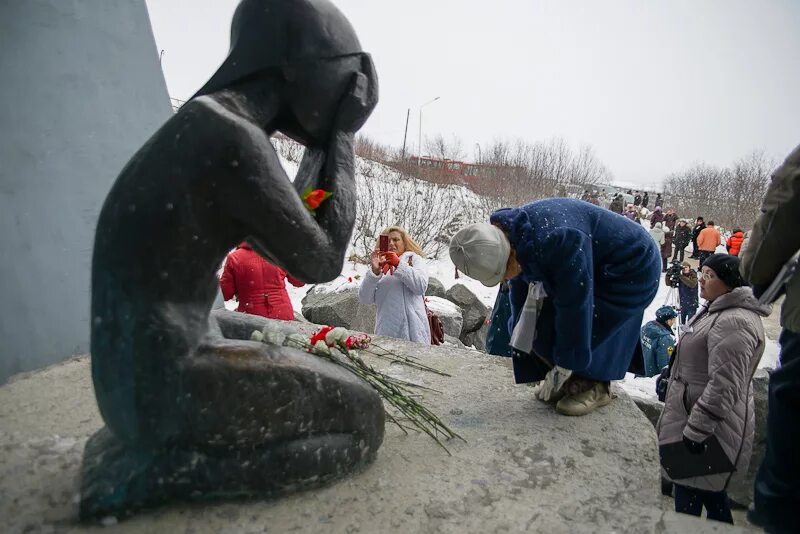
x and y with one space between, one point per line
734 243
260 286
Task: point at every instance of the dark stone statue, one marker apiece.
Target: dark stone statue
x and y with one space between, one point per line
192 409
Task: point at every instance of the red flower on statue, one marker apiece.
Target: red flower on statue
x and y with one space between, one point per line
314 198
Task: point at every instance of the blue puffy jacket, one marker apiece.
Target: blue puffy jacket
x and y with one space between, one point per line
657 346
600 272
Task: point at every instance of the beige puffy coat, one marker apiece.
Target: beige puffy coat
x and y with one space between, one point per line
710 389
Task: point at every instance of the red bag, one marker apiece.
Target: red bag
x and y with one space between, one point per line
437 329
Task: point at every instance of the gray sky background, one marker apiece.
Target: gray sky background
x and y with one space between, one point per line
653 85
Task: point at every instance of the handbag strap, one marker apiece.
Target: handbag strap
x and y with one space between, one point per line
424 301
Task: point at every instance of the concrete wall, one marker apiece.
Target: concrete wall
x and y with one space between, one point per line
81 89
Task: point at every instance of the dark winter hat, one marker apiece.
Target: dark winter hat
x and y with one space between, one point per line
726 267
665 313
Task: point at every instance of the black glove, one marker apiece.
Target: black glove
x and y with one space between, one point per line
693 446
661 383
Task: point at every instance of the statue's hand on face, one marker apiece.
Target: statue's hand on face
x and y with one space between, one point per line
330 95
360 98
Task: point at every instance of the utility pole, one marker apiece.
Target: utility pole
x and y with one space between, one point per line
419 138
405 135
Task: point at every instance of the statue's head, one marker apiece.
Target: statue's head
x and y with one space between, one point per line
307 44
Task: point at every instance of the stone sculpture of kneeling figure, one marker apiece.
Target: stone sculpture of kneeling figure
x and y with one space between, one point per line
190 413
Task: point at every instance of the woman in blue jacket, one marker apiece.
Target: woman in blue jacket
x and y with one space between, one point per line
599 272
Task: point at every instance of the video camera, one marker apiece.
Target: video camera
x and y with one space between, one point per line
673 275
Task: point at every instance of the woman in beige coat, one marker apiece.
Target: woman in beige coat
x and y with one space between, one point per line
710 390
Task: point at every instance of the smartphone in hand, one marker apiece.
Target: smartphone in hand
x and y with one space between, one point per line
383 243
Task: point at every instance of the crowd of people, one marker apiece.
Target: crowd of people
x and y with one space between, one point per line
575 279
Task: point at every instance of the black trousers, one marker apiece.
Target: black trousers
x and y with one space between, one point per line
777 486
702 256
691 501
679 251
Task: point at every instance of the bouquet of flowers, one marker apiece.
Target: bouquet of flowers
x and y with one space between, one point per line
337 346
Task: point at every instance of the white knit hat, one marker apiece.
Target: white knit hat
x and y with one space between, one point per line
481 252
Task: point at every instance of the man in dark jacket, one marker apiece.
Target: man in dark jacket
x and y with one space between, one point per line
645 199
682 237
599 273
659 201
637 199
774 240
687 292
699 226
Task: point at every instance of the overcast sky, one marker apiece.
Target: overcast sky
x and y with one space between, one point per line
654 86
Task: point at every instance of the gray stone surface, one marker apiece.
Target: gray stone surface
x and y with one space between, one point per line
364 320
435 288
449 314
82 90
334 309
651 407
477 338
523 467
473 310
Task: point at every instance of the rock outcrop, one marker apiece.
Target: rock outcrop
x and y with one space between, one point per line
473 313
522 467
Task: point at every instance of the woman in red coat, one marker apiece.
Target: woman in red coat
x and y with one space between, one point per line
260 286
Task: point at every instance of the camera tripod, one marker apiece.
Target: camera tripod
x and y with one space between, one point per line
674 301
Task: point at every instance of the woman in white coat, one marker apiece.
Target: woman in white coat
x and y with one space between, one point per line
396 284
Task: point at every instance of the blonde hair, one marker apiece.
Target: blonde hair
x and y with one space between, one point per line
408 243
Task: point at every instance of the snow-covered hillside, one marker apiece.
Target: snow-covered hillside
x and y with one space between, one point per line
430 213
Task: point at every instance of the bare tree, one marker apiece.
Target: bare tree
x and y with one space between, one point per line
439 148
729 195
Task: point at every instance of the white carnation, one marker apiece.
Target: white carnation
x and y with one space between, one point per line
274 338
335 336
321 348
256 336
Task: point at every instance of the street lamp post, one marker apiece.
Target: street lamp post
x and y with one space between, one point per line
419 139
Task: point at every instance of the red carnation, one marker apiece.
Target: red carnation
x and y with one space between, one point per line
320 336
314 198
